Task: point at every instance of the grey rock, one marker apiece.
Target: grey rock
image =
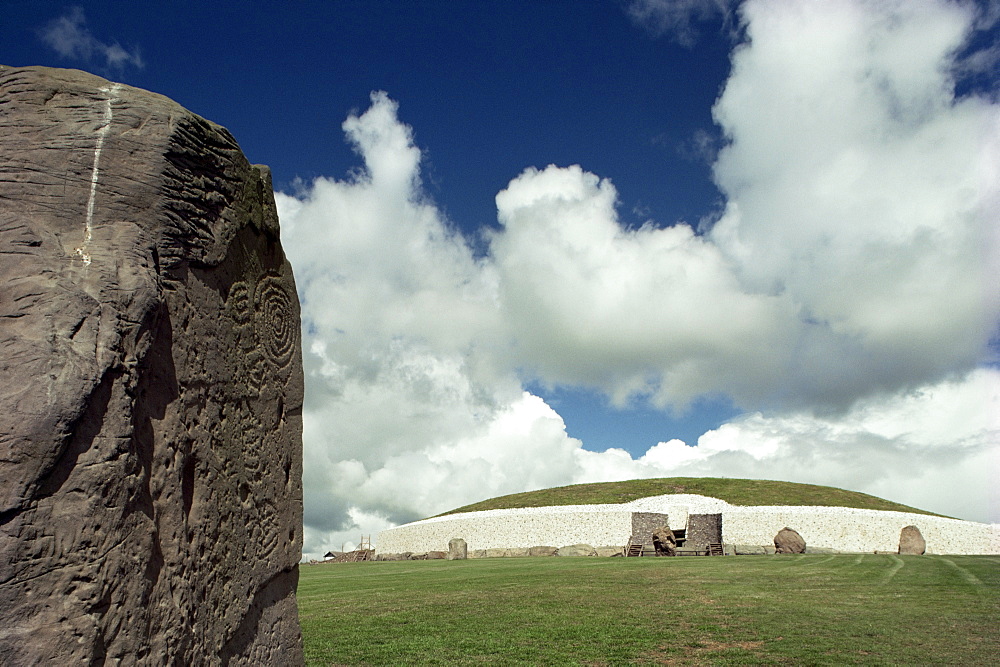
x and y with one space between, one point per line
748 550
437 555
457 549
911 542
788 541
543 551
517 552
576 550
496 553
822 550
608 552
477 553
150 410
664 542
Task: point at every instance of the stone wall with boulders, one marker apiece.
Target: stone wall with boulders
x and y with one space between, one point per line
744 529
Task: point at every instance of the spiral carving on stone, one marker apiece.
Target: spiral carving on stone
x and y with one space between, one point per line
238 304
274 321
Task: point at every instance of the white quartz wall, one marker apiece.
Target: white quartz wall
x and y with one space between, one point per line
837 528
857 530
504 529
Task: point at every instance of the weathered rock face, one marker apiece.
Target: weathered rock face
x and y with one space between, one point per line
150 410
664 541
788 541
577 550
457 549
911 542
543 551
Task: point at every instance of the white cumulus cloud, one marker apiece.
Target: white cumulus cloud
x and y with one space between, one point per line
936 447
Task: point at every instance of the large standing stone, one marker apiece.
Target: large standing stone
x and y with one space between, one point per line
150 410
911 542
788 541
457 549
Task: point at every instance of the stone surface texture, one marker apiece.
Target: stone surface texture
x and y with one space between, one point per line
911 542
643 525
702 530
788 541
577 550
542 550
664 542
150 410
457 549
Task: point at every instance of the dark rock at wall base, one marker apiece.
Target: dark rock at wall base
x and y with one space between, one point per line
664 543
150 409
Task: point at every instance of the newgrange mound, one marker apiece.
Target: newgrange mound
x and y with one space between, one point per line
707 515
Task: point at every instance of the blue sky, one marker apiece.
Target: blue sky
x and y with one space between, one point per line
541 243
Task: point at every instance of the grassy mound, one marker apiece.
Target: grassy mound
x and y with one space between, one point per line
733 491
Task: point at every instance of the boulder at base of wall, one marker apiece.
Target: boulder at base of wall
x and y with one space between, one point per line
477 553
826 551
608 552
911 542
437 555
517 552
496 552
575 550
788 541
664 542
151 402
543 551
457 549
749 550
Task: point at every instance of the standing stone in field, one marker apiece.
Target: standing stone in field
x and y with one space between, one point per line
911 542
788 541
664 542
457 549
151 403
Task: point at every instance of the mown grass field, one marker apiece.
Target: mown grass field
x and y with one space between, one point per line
733 491
743 610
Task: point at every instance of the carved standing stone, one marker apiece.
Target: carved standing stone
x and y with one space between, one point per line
150 409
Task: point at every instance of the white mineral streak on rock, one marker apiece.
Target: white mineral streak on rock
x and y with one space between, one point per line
840 528
102 132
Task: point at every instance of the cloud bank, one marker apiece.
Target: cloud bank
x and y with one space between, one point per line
845 298
69 36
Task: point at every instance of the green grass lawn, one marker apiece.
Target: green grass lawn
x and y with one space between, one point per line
810 609
733 491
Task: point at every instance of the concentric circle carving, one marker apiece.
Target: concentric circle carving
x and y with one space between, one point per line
238 305
274 321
